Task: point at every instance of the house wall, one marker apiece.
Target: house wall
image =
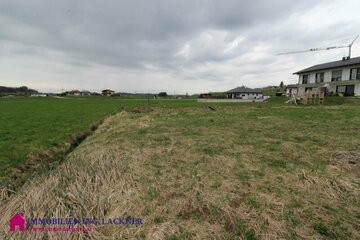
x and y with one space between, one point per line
327 79
332 88
301 90
245 95
357 89
291 91
212 100
328 74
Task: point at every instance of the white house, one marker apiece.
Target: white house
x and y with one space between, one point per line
38 95
292 89
337 77
244 93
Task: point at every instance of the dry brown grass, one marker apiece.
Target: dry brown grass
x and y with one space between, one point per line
348 160
192 182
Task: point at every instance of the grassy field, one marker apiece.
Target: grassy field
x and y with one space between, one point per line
245 171
36 131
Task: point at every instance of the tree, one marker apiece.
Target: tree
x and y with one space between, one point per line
162 94
281 85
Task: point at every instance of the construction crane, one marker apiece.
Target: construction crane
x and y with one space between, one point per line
322 49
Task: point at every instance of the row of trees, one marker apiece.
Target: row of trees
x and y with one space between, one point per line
162 94
23 89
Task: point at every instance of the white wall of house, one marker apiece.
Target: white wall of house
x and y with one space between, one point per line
290 91
328 74
312 78
357 89
301 89
246 95
327 78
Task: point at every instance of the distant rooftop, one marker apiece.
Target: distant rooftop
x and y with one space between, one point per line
243 89
336 64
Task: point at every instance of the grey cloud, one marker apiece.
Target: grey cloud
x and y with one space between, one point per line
173 37
125 33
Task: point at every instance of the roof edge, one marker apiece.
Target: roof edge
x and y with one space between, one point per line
330 67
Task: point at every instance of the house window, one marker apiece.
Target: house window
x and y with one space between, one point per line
347 90
355 74
336 76
319 77
305 79
340 89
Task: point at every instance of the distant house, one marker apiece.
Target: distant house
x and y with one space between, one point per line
38 95
291 89
244 93
337 77
77 93
107 92
72 93
85 93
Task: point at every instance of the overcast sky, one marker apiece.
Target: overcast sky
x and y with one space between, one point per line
163 45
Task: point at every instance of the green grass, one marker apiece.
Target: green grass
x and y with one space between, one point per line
272 145
33 126
245 171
